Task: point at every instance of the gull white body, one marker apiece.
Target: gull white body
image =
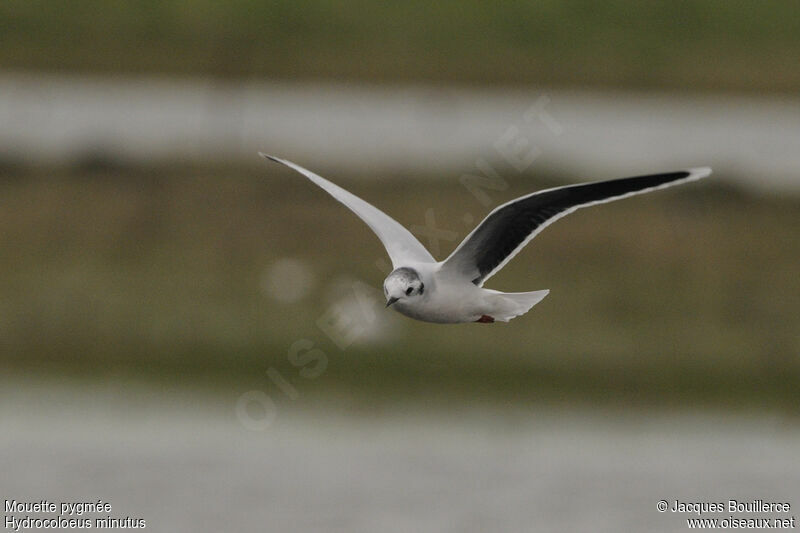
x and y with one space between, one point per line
450 299
451 291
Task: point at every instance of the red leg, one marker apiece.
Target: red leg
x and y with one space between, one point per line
485 319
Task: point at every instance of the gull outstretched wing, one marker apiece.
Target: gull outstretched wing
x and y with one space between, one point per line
511 226
400 244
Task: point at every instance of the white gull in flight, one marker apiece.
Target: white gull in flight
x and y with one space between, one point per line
451 291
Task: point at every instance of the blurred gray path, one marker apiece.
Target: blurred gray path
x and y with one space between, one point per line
184 463
47 119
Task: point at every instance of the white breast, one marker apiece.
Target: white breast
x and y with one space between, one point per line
445 301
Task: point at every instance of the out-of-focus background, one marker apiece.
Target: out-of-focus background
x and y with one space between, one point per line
198 336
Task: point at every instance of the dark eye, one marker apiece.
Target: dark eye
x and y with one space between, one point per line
409 291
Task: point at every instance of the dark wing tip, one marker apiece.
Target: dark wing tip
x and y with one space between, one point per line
270 157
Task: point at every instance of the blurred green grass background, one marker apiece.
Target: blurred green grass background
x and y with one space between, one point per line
158 272
710 44
682 295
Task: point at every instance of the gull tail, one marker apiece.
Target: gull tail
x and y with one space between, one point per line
513 304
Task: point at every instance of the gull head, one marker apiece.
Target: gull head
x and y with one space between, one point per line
402 284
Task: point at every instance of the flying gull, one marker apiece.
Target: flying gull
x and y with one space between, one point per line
451 291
